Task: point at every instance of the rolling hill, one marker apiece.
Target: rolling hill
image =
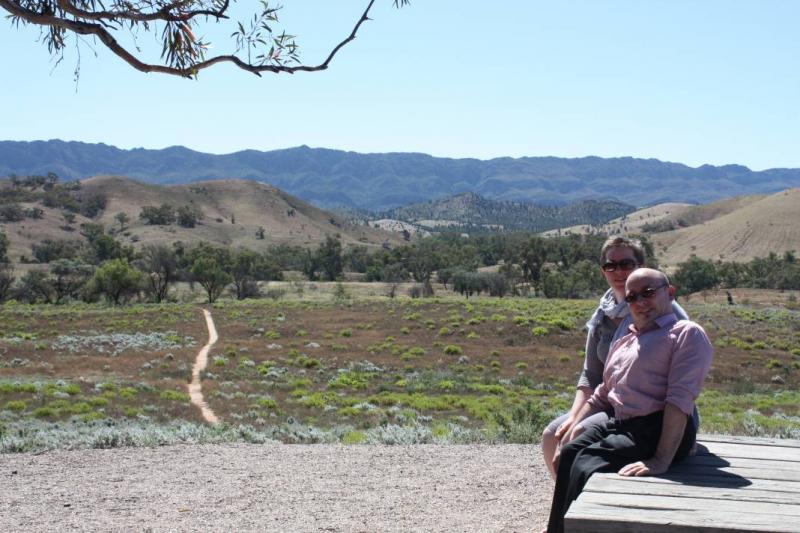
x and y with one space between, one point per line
232 211
758 226
635 222
383 181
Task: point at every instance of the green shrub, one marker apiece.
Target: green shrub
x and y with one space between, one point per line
174 395
452 349
540 331
16 405
354 437
44 412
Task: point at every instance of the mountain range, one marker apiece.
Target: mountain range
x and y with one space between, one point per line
330 178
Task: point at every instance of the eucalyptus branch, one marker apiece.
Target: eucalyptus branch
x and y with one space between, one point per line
182 52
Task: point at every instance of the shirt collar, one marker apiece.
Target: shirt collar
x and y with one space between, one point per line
664 321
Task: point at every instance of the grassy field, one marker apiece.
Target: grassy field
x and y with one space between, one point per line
308 368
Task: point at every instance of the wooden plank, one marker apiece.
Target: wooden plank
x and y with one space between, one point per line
599 518
645 502
612 486
731 471
597 483
724 449
740 462
734 484
753 441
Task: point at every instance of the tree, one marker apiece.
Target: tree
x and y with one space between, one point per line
93 204
117 280
68 277
188 215
534 256
210 268
695 275
156 216
159 265
329 257
123 219
6 280
258 46
246 266
3 247
36 287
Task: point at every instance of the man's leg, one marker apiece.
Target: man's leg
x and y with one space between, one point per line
606 449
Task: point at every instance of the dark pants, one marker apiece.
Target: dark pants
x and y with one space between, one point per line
607 448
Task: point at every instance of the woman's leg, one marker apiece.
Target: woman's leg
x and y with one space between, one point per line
550 443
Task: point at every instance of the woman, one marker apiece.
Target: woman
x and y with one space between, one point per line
619 257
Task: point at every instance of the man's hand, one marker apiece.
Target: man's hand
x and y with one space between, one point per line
651 467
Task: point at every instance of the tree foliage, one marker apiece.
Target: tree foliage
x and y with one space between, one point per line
211 267
117 280
258 45
160 268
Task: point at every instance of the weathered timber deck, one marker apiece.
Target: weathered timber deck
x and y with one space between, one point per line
733 484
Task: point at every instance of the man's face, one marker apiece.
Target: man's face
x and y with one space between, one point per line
645 310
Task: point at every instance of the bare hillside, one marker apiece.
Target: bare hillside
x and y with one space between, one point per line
758 227
232 213
631 223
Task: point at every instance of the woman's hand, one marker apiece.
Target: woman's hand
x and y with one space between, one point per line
565 430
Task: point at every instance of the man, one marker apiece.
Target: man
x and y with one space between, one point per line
651 379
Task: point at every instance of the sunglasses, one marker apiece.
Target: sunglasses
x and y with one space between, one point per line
645 294
624 265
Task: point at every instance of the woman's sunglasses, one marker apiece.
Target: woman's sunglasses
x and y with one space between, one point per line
646 294
624 265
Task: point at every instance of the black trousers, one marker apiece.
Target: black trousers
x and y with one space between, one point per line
607 448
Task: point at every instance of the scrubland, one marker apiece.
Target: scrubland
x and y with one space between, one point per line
307 368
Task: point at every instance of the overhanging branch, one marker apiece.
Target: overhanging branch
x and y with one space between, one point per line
96 23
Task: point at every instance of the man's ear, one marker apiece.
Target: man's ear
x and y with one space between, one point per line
671 290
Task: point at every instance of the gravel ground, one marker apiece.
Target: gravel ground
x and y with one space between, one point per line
293 488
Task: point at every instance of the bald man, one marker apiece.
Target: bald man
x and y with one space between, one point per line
651 379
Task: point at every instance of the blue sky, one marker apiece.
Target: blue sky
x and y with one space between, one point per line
693 82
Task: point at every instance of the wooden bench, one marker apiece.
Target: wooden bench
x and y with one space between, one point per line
733 484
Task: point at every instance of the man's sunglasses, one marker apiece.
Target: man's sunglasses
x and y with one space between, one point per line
645 294
624 265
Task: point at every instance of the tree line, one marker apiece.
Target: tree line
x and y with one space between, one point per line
770 272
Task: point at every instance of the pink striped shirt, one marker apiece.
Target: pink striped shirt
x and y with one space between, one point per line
645 371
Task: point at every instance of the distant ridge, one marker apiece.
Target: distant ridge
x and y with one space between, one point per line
474 212
383 181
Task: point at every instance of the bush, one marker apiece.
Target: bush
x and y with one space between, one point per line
452 349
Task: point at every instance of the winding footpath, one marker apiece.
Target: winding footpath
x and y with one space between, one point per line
200 363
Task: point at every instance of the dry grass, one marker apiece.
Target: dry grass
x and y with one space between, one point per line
769 224
285 219
630 223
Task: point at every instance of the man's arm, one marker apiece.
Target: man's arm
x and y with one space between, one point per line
672 429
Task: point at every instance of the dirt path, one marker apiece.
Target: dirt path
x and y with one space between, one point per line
200 363
297 488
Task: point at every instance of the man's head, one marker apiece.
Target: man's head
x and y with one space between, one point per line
649 296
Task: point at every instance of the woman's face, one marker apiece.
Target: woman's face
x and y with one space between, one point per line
616 279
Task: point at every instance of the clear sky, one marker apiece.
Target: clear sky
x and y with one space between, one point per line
712 81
